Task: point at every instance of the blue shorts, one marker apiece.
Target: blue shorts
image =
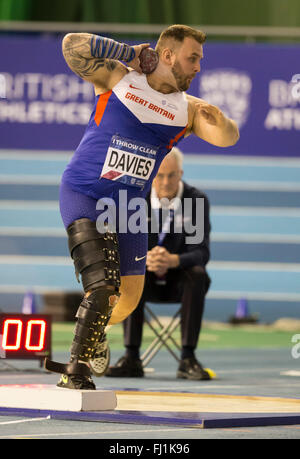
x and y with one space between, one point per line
132 246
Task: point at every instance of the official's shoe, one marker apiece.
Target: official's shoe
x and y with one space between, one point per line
76 382
99 363
191 369
126 367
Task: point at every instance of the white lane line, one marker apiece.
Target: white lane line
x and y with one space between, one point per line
208 386
189 158
28 231
30 179
253 211
245 185
76 434
245 265
40 155
228 160
213 265
216 236
36 260
19 421
30 204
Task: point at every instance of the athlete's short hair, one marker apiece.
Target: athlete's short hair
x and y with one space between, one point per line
178 33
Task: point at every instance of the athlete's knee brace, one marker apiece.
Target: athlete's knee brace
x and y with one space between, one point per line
96 259
95 255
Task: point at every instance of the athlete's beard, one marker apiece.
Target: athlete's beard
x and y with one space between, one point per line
183 81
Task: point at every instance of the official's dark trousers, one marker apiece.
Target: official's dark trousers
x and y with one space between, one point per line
186 286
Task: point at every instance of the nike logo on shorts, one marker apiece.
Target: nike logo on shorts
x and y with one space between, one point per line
141 258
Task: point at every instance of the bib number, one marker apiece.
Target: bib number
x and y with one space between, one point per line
128 161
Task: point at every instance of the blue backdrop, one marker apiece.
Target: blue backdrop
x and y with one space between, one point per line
43 105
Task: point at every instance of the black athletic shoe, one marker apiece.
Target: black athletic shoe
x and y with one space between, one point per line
76 382
126 367
191 369
99 363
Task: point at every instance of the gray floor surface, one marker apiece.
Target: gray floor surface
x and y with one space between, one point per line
240 372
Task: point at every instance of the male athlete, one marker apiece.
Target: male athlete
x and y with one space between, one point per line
136 120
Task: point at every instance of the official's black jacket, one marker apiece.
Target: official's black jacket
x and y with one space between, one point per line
189 254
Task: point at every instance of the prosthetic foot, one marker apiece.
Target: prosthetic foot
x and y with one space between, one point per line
100 362
74 375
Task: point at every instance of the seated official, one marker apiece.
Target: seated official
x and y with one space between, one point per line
175 270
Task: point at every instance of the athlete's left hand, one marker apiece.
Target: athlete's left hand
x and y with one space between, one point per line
135 63
210 113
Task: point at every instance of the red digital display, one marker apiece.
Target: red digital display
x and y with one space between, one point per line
25 336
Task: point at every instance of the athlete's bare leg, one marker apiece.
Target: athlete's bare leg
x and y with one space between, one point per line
131 290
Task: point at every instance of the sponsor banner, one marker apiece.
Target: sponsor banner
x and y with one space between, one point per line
43 105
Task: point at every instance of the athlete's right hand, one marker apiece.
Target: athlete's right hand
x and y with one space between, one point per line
135 63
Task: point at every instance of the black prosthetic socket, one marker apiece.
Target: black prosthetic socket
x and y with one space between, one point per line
95 255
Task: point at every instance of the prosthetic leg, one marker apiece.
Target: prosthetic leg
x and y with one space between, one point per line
96 259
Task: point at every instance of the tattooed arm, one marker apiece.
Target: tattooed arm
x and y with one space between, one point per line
97 59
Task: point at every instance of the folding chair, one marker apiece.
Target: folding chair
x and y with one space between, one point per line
163 334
